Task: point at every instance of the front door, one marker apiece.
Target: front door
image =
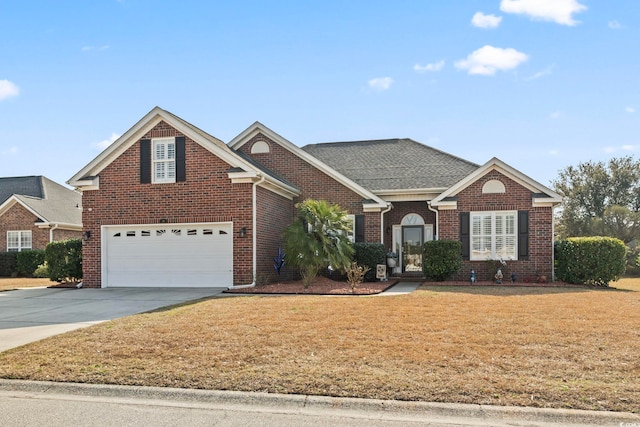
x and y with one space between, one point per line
412 240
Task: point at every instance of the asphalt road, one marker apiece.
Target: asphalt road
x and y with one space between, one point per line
30 403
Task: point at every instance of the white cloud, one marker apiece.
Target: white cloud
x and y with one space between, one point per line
547 71
558 11
554 152
488 60
8 89
555 115
615 25
107 142
626 147
381 83
435 66
630 109
481 20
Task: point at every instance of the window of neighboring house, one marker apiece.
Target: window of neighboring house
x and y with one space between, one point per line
164 160
494 235
18 241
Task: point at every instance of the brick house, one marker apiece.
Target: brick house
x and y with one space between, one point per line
35 211
169 205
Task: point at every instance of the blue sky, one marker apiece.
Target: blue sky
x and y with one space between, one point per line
541 84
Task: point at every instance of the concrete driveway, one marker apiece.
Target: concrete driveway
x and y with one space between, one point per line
28 315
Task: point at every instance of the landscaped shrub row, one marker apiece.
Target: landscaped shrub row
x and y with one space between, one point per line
590 260
441 259
8 264
28 262
369 255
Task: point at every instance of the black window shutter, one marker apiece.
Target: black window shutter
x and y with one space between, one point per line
145 161
359 231
181 172
464 234
523 234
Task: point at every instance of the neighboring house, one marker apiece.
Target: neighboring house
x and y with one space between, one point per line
170 205
35 211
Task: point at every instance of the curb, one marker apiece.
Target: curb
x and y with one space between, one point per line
296 402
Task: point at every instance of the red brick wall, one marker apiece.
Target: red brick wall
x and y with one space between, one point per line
275 214
17 218
61 234
515 198
207 195
313 183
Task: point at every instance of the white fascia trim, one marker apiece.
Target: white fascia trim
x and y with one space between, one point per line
59 226
409 191
258 127
375 207
503 168
447 206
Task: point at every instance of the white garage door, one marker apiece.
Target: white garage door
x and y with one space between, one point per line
168 255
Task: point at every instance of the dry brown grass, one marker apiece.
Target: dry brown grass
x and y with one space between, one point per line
10 283
543 347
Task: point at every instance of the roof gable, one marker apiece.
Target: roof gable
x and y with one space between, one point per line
542 195
87 177
256 128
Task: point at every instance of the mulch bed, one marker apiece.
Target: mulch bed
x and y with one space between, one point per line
320 286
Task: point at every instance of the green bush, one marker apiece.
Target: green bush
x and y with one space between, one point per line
590 260
28 261
64 260
42 272
369 255
8 264
442 259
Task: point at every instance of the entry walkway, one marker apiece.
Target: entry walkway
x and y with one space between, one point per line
401 288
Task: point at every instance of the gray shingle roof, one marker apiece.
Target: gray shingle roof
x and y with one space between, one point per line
51 201
26 185
392 164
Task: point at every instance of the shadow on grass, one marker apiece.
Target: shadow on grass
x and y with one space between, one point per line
516 290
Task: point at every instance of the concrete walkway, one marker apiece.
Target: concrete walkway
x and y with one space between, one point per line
401 288
28 315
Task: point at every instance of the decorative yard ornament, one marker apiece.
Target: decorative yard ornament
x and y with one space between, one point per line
472 279
513 277
499 276
278 261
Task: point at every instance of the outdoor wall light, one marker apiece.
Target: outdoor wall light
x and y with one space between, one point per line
243 232
86 235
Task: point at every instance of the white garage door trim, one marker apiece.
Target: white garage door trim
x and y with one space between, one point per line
167 255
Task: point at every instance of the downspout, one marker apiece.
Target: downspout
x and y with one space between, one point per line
53 227
436 233
254 236
553 246
382 222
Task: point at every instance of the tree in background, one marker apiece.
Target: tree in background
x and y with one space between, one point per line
318 238
602 200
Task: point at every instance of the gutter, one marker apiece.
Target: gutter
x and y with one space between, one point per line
53 227
390 206
255 237
436 233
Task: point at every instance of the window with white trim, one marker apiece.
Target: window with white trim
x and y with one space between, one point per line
164 160
19 241
494 235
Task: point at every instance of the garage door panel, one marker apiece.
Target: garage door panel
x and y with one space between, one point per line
191 255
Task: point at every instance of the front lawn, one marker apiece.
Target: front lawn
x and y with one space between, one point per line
10 283
543 347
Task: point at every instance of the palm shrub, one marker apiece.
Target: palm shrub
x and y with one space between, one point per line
317 238
441 259
590 260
